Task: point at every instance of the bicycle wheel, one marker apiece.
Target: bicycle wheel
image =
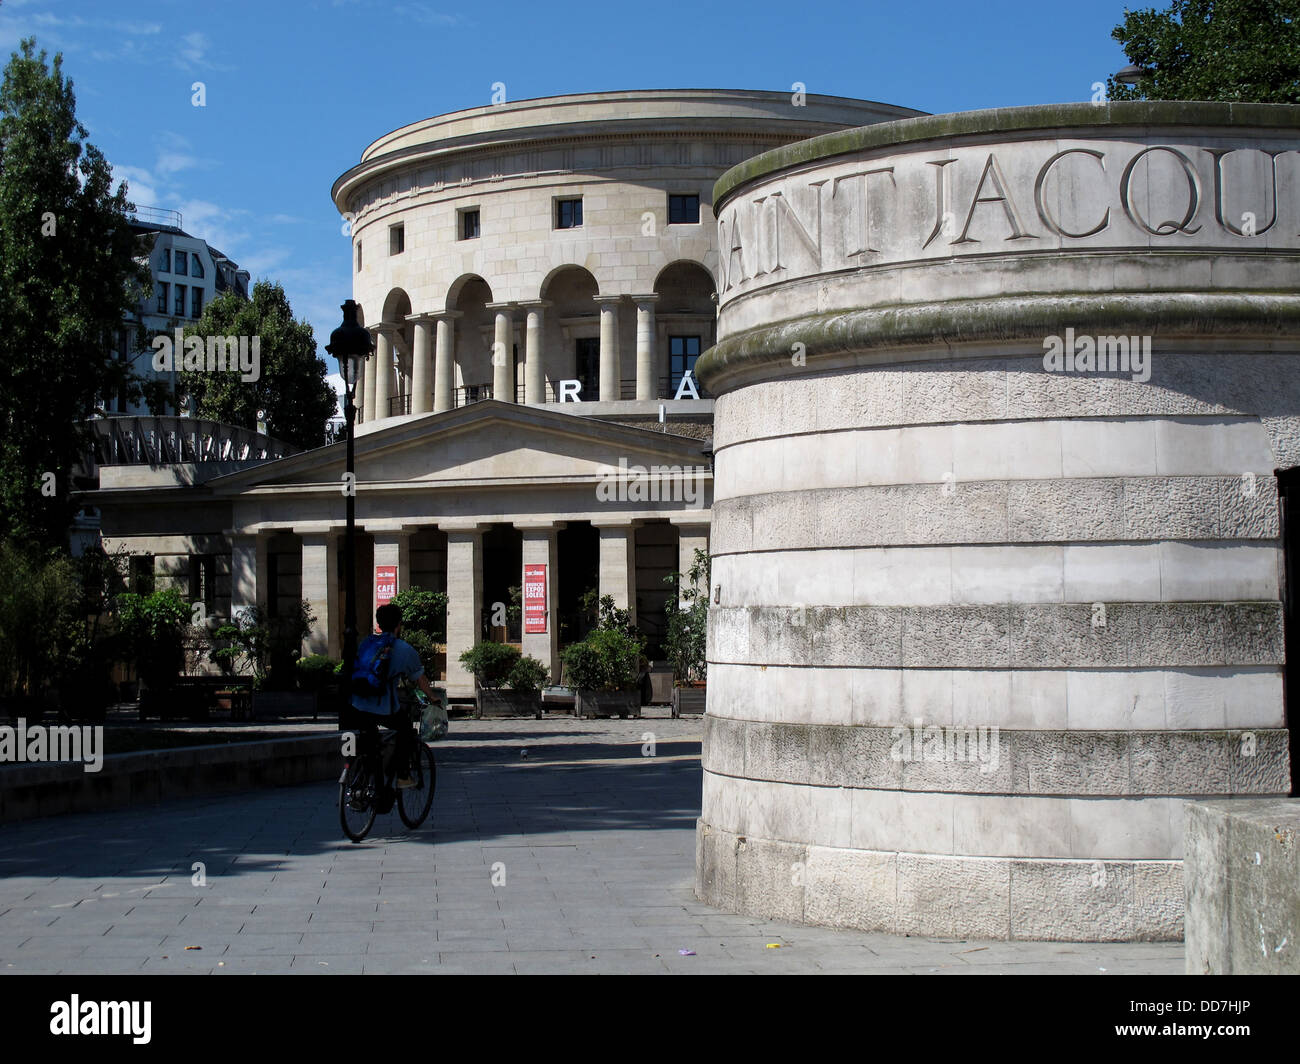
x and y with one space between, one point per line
413 803
357 798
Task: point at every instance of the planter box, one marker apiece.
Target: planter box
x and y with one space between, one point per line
688 699
508 704
609 704
283 703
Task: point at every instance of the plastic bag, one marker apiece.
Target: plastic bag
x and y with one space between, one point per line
433 718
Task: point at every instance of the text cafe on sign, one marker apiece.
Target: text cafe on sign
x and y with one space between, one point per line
385 584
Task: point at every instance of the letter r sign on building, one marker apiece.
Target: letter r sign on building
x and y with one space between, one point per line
535 599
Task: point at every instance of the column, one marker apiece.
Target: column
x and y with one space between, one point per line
248 571
320 587
421 391
646 385
503 353
618 565
534 361
383 359
690 538
444 370
366 390
392 547
609 361
541 547
464 601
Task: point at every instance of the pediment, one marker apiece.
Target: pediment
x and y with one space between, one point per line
487 444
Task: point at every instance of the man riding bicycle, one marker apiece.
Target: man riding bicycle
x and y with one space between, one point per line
383 708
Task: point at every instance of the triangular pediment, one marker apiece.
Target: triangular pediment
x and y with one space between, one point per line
486 443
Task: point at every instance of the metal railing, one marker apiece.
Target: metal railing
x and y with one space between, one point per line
399 405
159 440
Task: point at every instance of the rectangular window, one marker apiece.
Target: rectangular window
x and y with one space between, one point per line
587 368
682 352
142 574
396 239
182 262
196 302
568 214
196 266
358 256
203 585
165 266
179 306
162 297
683 210
469 224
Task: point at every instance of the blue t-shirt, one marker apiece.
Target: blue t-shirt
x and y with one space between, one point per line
403 661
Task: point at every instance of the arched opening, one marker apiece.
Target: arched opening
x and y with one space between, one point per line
396 307
571 335
475 327
686 322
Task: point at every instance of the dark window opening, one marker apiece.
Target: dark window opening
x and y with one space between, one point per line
587 369
683 351
683 210
568 213
469 225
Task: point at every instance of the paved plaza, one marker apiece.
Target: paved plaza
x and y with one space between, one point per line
554 846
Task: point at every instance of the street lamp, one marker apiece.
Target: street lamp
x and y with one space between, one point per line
350 343
1132 74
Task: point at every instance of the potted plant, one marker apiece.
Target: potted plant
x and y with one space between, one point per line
686 635
318 675
268 648
605 671
424 626
153 629
507 683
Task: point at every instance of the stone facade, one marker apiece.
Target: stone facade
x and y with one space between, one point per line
997 563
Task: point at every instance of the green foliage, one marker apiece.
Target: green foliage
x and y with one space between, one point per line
317 671
40 624
528 676
423 645
491 663
153 629
291 388
1233 50
687 622
423 611
609 659
264 647
69 274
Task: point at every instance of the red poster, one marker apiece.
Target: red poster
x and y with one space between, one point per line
535 599
385 584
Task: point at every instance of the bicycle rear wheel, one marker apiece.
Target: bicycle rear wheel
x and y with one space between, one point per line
357 798
413 803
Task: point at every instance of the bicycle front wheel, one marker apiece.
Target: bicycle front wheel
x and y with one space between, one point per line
357 799
413 803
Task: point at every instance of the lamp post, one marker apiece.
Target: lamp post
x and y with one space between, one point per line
350 343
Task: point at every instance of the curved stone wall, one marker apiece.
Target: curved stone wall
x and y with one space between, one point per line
986 614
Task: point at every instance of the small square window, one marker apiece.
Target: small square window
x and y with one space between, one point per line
396 239
196 302
179 306
162 297
182 262
196 266
568 214
166 265
683 210
469 224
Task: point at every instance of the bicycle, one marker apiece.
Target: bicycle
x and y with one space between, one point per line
366 784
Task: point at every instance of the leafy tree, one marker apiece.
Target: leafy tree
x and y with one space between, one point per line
1237 50
153 630
69 275
290 387
687 622
40 622
268 647
423 611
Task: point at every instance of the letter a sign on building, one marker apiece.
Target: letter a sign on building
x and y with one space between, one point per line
535 599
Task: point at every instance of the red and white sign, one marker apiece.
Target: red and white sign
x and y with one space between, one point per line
535 599
385 584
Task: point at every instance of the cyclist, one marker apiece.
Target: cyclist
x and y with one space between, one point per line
403 661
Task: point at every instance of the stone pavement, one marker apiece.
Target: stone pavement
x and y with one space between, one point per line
591 846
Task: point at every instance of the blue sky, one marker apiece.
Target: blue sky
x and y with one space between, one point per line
296 89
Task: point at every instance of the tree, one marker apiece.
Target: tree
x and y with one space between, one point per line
1236 50
290 387
69 275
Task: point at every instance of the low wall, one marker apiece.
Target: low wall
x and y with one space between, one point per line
37 790
1240 872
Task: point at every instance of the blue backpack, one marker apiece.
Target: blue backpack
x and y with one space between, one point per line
370 674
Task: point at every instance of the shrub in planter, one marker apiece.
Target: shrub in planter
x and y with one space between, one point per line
433 654
605 670
686 622
316 672
490 662
423 611
509 684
